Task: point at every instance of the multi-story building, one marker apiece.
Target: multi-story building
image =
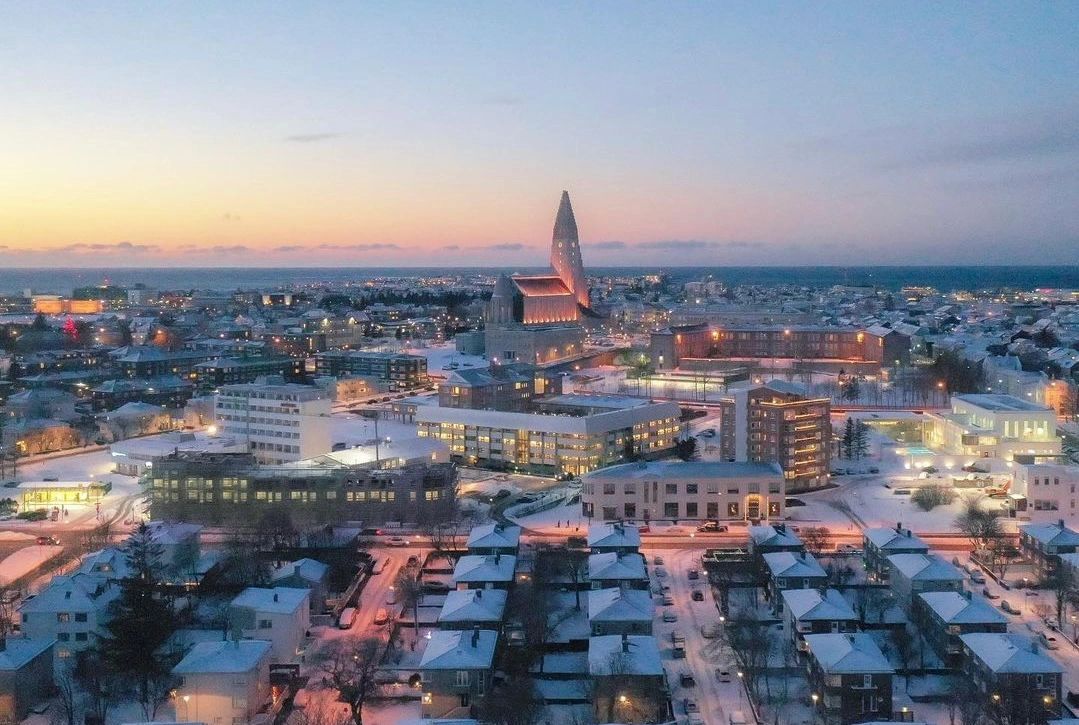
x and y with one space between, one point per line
942 617
154 362
512 387
778 423
455 671
880 543
629 680
169 391
711 490
816 611
790 570
72 611
281 615
1049 490
401 371
586 433
223 682
620 611
880 345
232 488
913 574
213 374
852 677
1018 680
988 425
1044 544
281 422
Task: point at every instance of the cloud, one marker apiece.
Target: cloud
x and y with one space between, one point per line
127 247
221 249
230 217
370 247
692 244
502 247
313 137
289 248
606 245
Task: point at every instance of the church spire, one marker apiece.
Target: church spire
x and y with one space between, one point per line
566 251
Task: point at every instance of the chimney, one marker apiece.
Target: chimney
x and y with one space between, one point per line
479 593
3 643
275 596
625 643
475 636
498 558
1060 523
899 526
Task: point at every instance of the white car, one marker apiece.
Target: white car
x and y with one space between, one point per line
396 541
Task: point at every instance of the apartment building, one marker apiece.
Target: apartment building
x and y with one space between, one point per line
701 490
281 616
586 432
400 370
1049 490
852 675
223 682
1018 680
1044 544
212 374
503 386
281 422
988 425
778 423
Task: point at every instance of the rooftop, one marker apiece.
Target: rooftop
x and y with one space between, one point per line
1000 403
624 655
620 605
928 567
613 535
790 564
687 469
812 604
223 657
954 608
460 650
1006 652
279 600
481 568
494 536
855 654
474 605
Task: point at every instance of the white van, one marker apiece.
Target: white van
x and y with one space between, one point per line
345 620
738 718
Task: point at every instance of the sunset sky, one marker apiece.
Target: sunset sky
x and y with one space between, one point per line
369 134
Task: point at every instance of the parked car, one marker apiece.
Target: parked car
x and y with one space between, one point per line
687 680
396 541
670 616
658 560
661 572
697 595
1048 641
988 594
690 706
413 561
713 527
382 616
709 631
977 577
708 433
48 541
347 615
723 675
668 600
1007 607
693 574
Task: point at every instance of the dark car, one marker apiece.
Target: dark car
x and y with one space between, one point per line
697 595
48 541
713 527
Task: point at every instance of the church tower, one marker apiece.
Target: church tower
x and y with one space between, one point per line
566 252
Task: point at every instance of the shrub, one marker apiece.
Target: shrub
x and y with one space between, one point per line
929 497
37 515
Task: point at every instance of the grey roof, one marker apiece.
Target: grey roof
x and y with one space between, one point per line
18 651
687 469
460 650
494 536
612 566
619 605
485 568
954 608
924 567
474 605
624 655
810 605
1005 652
790 565
1053 534
889 538
613 535
279 600
1000 403
306 569
854 654
771 536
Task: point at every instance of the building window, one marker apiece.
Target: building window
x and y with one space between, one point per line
265 624
462 678
732 509
670 510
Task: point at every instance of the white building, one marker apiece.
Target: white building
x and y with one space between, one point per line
991 426
1050 492
281 615
281 422
223 682
72 610
711 490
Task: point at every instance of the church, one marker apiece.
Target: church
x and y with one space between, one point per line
537 318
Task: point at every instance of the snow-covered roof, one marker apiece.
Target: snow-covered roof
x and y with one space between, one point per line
924 567
898 538
474 605
771 536
612 566
306 569
610 535
954 608
243 655
791 565
109 563
491 536
460 650
279 600
168 533
620 655
72 593
18 651
619 605
485 568
1005 652
1051 534
854 654
809 605
667 470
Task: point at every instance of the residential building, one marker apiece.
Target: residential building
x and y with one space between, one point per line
695 490
169 391
615 537
400 370
281 422
617 570
587 432
281 615
913 574
620 611
816 611
943 617
1049 490
628 679
766 539
1014 674
224 681
469 609
880 543
779 423
455 671
72 611
485 571
26 676
852 677
790 570
1043 544
502 386
148 361
213 374
314 576
496 538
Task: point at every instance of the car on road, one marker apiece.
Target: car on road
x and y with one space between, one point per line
48 541
708 433
697 595
693 574
712 527
668 600
382 616
670 616
988 594
723 675
1048 641
661 572
690 706
686 680
391 596
347 615
709 631
848 549
396 541
977 577
1008 607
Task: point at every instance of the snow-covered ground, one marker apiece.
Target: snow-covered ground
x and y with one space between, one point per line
440 355
26 561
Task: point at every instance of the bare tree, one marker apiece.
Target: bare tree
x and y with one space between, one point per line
514 702
563 564
1002 554
903 641
1062 583
318 711
67 693
817 539
350 668
100 686
982 526
750 641
409 588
